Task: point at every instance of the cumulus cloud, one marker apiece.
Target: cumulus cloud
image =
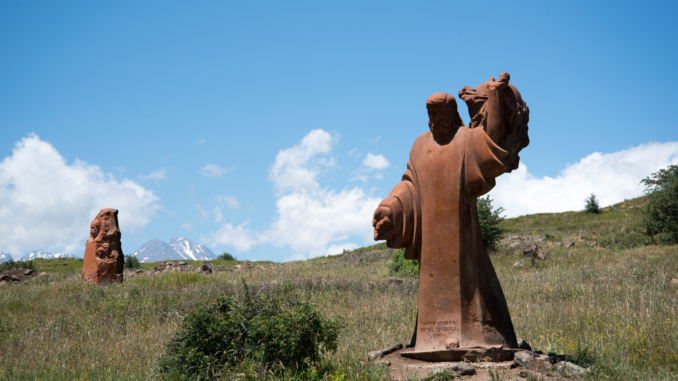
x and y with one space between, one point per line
238 236
613 177
310 218
160 174
48 204
338 249
213 170
375 161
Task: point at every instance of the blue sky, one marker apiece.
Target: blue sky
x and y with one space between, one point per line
150 93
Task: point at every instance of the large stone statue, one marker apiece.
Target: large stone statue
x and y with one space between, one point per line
432 213
103 260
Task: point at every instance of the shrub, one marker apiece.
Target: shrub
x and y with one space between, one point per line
592 205
490 221
226 257
132 262
11 265
274 332
401 266
660 215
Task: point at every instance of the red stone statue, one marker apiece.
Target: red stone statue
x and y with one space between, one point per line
432 213
103 260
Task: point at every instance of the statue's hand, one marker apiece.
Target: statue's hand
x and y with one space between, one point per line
383 222
501 83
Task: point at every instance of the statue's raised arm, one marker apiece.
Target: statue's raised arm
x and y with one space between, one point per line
498 108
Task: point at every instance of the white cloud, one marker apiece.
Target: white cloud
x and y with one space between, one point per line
48 204
376 161
338 249
231 201
200 141
295 169
351 152
239 237
213 170
375 139
186 226
613 177
310 218
160 174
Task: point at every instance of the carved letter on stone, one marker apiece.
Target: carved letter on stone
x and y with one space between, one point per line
103 262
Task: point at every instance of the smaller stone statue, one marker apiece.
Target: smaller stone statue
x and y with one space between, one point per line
103 262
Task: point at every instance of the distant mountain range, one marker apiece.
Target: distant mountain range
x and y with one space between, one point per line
44 255
4 257
178 248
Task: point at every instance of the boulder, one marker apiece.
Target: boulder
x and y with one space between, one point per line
139 271
522 344
377 354
259 268
182 263
534 250
103 260
28 272
517 265
523 358
4 277
206 269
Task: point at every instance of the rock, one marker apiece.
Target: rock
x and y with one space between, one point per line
523 358
513 244
238 267
28 272
392 280
259 268
377 354
139 271
517 264
4 277
43 275
170 264
460 369
522 344
569 245
182 263
534 250
103 260
14 278
570 368
206 269
674 281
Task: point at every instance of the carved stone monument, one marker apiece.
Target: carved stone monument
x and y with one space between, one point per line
103 260
462 312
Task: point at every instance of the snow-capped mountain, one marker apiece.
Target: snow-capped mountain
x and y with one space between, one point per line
191 250
4 257
44 255
178 248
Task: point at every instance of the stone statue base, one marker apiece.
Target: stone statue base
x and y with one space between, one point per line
101 270
490 353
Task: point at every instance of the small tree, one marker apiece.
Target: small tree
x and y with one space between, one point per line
490 222
592 205
132 262
660 215
226 257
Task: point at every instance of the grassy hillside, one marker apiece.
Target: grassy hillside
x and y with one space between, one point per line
608 300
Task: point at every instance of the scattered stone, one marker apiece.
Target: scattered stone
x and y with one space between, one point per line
139 271
522 344
570 368
569 245
517 264
534 250
523 358
377 354
15 278
182 263
259 268
206 269
392 280
28 272
238 267
43 275
460 369
554 358
4 277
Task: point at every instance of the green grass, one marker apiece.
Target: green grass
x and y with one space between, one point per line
608 300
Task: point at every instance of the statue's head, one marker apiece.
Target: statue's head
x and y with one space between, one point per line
94 228
443 117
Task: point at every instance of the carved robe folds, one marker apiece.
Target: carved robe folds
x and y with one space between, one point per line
434 207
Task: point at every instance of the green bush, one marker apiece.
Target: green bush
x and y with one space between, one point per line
132 262
401 266
226 257
276 332
490 221
592 205
660 215
11 265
